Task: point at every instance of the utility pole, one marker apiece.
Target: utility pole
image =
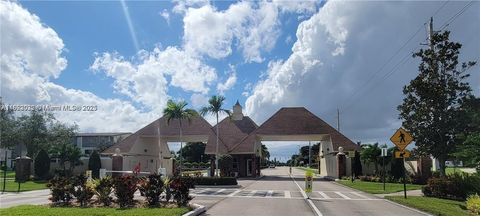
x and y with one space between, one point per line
338 120
309 154
430 33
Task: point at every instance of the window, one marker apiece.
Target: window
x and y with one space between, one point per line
235 164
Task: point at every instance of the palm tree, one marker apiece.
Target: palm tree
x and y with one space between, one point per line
265 153
215 107
177 110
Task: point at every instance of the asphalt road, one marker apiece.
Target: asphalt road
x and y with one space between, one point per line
278 193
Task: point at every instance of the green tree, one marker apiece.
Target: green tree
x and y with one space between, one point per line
431 107
34 131
9 131
195 152
357 164
214 107
370 154
468 149
226 165
178 112
265 154
95 164
61 146
42 164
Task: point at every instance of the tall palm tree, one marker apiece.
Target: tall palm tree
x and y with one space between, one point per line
215 104
265 153
177 110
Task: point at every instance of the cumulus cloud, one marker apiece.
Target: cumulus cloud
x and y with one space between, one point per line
31 55
198 100
211 32
166 15
341 47
143 78
229 83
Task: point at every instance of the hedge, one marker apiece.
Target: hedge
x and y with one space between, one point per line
215 181
456 186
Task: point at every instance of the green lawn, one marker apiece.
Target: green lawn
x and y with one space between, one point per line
12 186
377 188
44 210
308 169
451 170
434 206
10 174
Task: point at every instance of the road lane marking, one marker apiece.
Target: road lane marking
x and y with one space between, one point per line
269 193
220 191
287 194
234 193
324 195
309 201
360 195
343 195
251 193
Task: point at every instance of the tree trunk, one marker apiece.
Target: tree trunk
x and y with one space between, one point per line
441 163
181 148
216 150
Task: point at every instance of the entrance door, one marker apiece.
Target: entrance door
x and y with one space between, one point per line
249 167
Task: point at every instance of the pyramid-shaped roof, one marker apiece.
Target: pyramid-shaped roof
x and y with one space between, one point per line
196 126
299 121
231 133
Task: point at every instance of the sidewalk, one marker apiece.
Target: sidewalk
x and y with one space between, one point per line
409 193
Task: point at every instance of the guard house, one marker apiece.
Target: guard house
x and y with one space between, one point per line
233 130
239 136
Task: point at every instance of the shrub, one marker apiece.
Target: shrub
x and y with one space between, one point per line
357 165
125 187
61 190
151 187
181 189
95 164
103 189
81 190
215 181
473 204
456 187
42 164
168 191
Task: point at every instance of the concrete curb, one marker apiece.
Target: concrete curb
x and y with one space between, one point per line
197 210
218 186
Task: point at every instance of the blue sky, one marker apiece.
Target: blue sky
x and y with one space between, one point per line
267 54
88 27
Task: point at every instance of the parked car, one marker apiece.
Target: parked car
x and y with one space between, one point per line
271 166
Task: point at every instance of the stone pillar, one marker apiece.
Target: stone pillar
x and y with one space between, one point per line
22 168
341 163
117 162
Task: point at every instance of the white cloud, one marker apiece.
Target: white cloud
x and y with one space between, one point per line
143 78
181 6
31 54
339 48
165 16
229 83
198 100
28 43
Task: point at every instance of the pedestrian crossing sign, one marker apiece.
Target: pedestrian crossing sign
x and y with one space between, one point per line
401 139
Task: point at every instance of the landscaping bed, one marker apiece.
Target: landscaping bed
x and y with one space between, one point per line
74 211
434 206
377 188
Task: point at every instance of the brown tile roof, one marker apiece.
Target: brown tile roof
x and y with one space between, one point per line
231 133
197 126
299 121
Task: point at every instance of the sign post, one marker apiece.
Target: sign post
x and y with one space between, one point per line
401 138
384 154
308 183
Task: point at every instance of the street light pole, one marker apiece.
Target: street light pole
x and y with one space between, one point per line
309 154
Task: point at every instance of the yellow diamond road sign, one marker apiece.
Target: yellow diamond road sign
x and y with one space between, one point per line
401 139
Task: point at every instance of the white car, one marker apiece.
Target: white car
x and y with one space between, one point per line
271 166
